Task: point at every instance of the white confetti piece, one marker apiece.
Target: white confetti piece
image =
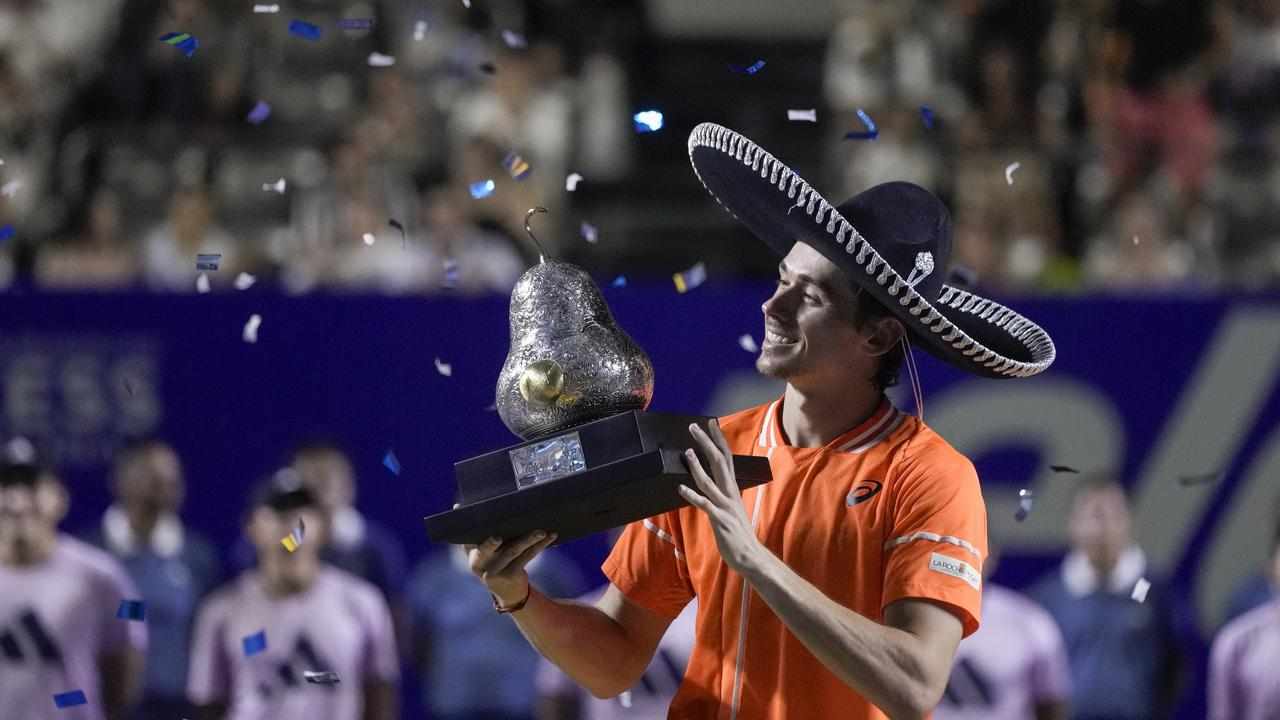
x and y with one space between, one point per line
748 343
251 328
444 368
1008 172
513 39
368 238
318 677
244 281
466 4
278 186
379 60
266 8
625 699
1135 239
589 233
10 188
420 30
1140 590
803 115
571 182
202 283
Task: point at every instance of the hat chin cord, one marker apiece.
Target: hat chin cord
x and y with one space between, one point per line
915 377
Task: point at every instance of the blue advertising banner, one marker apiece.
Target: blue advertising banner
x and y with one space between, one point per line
1176 394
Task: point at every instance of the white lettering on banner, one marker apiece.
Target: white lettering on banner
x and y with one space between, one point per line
955 568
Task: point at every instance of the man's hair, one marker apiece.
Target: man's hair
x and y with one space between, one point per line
867 309
318 446
1100 480
133 448
283 491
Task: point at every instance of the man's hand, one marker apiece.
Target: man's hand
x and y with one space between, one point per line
720 499
501 564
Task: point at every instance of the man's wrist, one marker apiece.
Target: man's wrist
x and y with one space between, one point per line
504 608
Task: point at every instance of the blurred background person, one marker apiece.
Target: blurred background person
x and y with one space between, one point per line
474 663
1243 676
58 626
173 566
313 619
1126 661
101 254
170 248
560 698
1262 586
1014 667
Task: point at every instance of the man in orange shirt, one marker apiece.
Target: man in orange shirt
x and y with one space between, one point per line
843 586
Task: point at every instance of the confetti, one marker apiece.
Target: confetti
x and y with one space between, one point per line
1010 170
278 186
516 166
70 699
186 42
355 23
266 8
317 677
482 189
132 610
259 113
1135 239
379 60
691 278
926 115
1204 479
514 39
6 232
293 540
10 188
625 699
488 68
251 328
1025 498
571 182
871 133
450 273
466 4
751 69
810 115
444 368
202 283
420 30
404 236
304 30
255 643
589 232
620 281
1064 469
1140 590
128 386
647 121
748 343
208 261
368 238
244 281
390 462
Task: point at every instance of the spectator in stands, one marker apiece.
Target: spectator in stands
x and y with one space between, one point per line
172 565
1261 587
100 257
1123 644
1014 667
1138 250
59 629
294 639
169 250
474 663
1242 665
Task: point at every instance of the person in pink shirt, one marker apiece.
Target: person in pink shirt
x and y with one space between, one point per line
293 639
60 639
1014 667
1244 683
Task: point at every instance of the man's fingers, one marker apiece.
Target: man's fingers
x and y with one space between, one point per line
705 483
480 557
512 549
530 553
694 499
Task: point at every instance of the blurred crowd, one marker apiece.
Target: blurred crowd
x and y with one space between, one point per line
1124 145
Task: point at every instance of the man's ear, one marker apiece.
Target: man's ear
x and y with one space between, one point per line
886 333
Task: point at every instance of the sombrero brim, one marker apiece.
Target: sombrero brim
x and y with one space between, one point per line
971 332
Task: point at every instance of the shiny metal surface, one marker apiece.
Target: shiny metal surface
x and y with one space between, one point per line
568 356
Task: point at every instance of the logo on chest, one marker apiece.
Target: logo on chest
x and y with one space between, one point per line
862 492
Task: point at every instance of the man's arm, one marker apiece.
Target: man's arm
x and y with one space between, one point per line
380 700
121 678
901 666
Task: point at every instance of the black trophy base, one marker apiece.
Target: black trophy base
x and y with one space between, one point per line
589 478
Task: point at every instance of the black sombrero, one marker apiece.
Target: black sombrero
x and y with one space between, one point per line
893 241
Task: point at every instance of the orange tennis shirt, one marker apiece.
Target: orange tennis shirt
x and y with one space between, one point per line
886 511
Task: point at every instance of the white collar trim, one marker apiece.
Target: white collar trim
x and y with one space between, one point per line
167 538
1081 578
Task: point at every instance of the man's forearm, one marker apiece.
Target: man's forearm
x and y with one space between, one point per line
584 642
884 664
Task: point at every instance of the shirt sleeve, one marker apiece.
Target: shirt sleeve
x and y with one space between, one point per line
1224 701
209 673
119 635
648 565
1050 669
937 537
380 661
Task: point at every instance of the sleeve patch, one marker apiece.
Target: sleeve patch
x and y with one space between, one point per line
955 568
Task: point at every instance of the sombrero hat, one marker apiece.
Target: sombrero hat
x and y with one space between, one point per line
892 240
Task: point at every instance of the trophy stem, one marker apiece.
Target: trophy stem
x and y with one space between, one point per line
542 254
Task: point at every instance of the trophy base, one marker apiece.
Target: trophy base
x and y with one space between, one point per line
581 481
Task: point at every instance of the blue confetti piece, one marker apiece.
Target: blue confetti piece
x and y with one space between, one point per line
389 460
619 282
259 113
70 699
927 116
255 643
482 189
186 42
208 261
871 133
6 232
304 30
450 273
355 23
751 69
647 121
132 610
